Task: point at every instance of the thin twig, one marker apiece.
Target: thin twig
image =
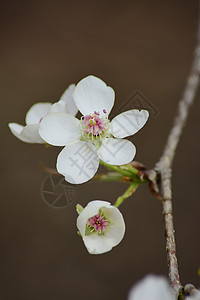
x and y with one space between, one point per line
164 166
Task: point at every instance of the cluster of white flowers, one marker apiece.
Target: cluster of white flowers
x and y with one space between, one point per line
86 141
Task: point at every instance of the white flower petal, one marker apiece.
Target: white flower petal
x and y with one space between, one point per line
92 94
67 98
16 129
194 297
59 129
95 243
31 132
116 230
116 151
128 122
78 162
152 288
59 106
37 112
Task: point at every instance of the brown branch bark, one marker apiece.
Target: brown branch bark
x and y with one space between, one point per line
164 166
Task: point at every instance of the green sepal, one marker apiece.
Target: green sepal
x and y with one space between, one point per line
79 208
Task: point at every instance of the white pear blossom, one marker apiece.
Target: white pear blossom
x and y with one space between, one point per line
94 137
101 226
154 287
29 132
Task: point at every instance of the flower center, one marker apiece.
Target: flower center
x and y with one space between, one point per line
94 125
97 224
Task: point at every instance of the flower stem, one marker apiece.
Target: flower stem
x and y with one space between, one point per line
131 189
125 170
111 176
49 170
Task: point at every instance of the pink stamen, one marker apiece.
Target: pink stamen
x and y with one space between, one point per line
98 222
93 124
104 111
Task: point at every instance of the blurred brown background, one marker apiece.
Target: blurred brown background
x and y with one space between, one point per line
132 45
